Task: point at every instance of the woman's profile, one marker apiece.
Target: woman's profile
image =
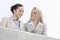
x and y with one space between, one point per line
13 21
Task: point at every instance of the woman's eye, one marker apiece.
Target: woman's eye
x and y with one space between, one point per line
20 10
34 12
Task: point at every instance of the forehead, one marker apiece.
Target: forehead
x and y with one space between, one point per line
34 10
20 8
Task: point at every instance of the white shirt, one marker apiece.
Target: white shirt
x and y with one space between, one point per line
40 29
17 22
11 22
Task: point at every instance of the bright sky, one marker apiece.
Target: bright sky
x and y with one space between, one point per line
50 10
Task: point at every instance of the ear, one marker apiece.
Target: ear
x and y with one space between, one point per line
14 10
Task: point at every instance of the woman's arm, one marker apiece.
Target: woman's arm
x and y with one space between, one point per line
44 31
41 30
3 22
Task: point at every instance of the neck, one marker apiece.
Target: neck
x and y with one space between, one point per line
15 17
35 22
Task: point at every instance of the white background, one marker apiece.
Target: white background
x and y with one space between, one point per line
50 10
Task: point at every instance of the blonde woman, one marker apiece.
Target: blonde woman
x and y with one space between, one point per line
36 24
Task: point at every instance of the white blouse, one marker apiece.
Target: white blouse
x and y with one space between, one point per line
15 21
40 29
11 22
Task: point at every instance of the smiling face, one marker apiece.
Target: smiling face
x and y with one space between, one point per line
34 14
19 11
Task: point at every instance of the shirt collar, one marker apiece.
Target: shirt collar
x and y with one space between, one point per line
13 18
31 22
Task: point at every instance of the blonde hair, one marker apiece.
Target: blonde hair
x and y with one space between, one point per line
39 14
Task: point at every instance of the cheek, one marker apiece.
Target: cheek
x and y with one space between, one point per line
16 13
33 16
20 14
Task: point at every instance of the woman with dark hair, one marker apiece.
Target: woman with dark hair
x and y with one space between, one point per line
13 21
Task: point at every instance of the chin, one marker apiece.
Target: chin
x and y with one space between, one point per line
32 18
19 16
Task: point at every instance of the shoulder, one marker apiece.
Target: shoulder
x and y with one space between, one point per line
28 24
22 23
5 19
42 25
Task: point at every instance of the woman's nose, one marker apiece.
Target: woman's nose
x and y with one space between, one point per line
21 14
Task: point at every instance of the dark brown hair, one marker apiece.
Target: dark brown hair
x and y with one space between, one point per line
15 7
